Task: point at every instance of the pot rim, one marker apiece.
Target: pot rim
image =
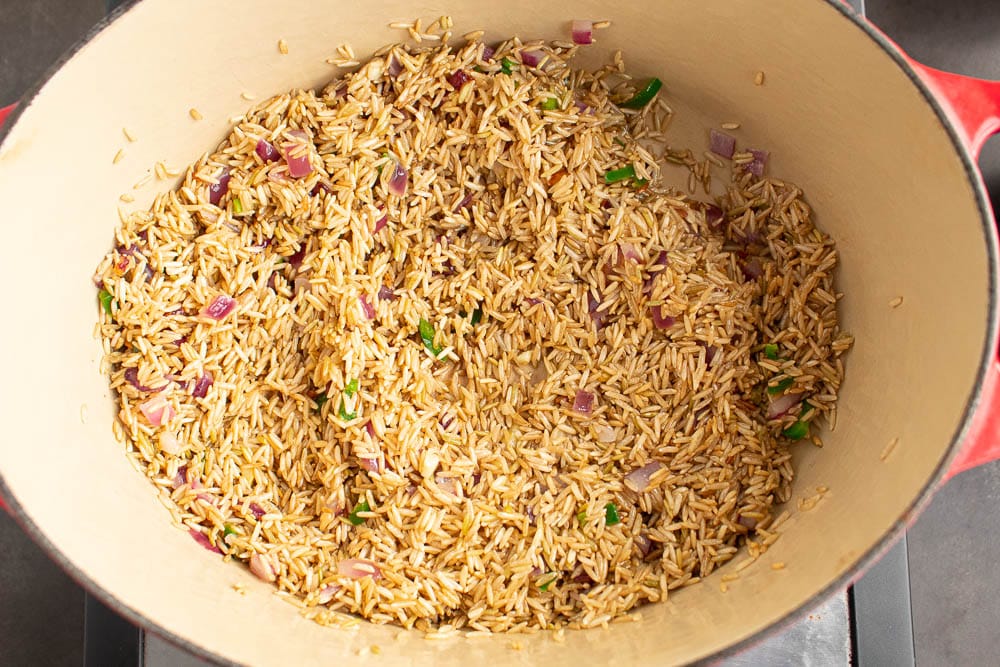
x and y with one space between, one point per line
865 561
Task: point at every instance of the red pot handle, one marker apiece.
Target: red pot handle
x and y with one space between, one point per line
973 106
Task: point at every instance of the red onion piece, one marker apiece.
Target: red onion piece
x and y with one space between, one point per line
297 154
394 67
180 478
488 53
398 180
584 402
446 484
782 405
370 464
200 389
203 540
638 479
321 186
658 267
301 284
756 166
169 443
643 544
266 151
370 428
458 78
753 268
598 316
710 351
217 191
366 307
355 568
221 306
157 410
380 225
262 567
722 144
257 510
583 32
386 294
326 594
295 259
747 522
132 377
714 216
660 319
465 201
532 58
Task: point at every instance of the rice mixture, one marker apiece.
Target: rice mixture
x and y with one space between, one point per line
432 345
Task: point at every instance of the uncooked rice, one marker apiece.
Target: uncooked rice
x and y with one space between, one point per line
487 492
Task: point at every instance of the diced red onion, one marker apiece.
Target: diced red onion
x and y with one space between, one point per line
747 522
446 484
326 594
398 180
532 301
753 268
169 443
380 224
297 154
658 267
638 479
660 319
262 567
366 307
180 478
606 434
721 143
530 513
583 402
278 175
217 191
710 351
266 151
221 306
257 510
714 216
532 58
370 428
132 377
782 405
488 53
370 464
583 32
386 294
321 186
203 540
394 67
458 78
295 259
356 568
301 284
598 316
756 166
201 385
642 543
157 410
465 201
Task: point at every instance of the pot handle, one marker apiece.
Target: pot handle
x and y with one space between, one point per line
973 106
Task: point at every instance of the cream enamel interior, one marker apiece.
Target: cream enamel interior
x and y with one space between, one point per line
841 118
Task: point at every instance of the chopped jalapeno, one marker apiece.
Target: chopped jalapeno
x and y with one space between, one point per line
360 507
321 399
427 336
351 388
644 95
550 104
547 580
477 316
237 206
622 174
796 431
611 517
771 351
344 414
227 531
781 386
507 65
104 296
581 517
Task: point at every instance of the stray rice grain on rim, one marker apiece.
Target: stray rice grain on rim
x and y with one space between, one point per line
380 343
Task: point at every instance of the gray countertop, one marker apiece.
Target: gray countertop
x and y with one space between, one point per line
954 590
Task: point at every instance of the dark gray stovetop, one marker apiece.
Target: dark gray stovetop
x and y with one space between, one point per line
953 591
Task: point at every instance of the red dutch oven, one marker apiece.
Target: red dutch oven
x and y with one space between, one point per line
884 147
